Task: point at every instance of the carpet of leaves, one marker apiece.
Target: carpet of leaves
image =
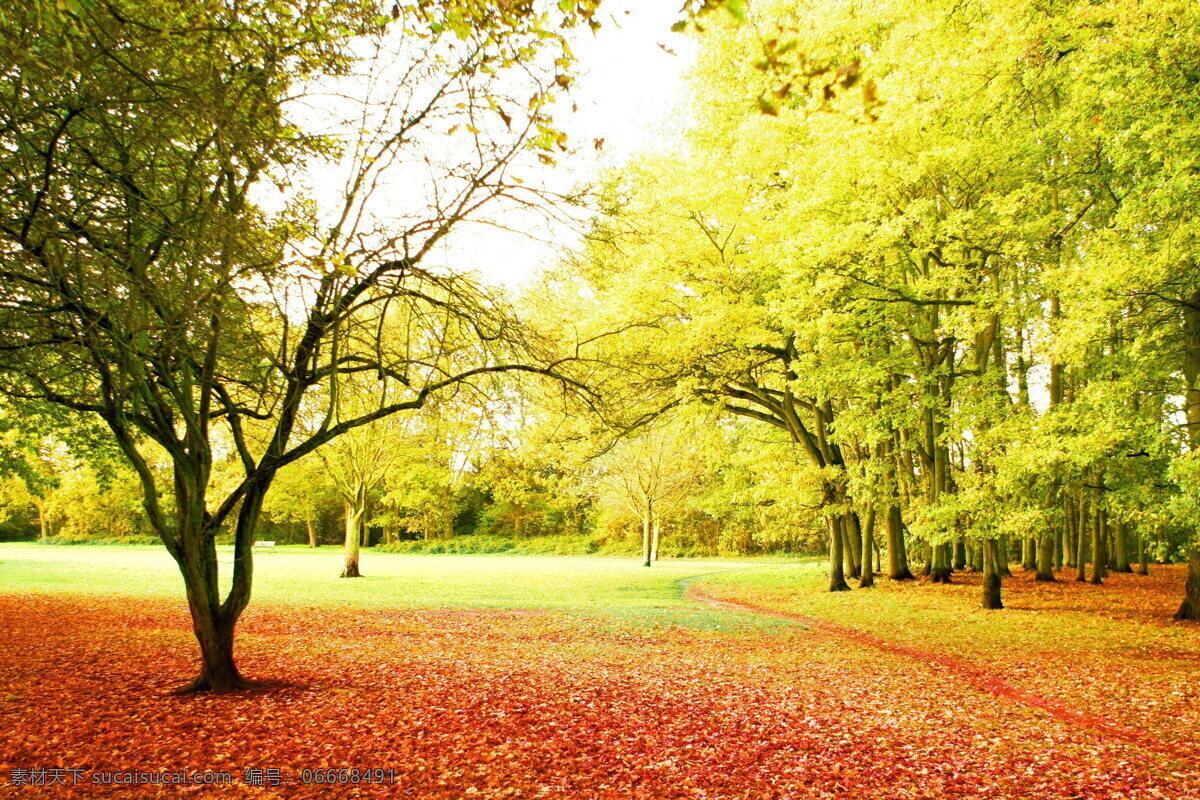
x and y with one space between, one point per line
511 704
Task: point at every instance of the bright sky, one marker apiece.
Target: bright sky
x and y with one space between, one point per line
629 93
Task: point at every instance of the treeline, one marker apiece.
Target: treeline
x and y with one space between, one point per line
948 253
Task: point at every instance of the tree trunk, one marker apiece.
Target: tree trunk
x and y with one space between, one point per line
1045 557
897 557
1081 542
1190 608
654 539
960 553
991 575
447 513
867 575
854 539
43 525
837 576
647 525
1029 549
939 570
1121 548
1004 558
1098 555
312 531
354 518
1143 555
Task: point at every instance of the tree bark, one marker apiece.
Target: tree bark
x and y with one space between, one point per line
354 516
854 539
1121 548
1004 557
991 575
960 553
1190 607
867 575
1143 555
647 525
1081 541
654 539
1045 557
312 531
897 557
1029 553
837 576
1098 555
939 570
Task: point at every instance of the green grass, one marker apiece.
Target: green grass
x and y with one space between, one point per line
619 589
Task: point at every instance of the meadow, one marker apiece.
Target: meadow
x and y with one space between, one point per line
563 677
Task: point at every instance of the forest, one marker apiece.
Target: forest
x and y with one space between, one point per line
906 290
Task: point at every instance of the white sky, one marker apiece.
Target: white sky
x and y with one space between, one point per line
629 92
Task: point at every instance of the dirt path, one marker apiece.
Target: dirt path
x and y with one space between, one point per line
973 674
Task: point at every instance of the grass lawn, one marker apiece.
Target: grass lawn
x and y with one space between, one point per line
564 677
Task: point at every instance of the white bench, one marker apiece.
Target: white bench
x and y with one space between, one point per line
264 545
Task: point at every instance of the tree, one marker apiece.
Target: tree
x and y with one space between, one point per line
144 285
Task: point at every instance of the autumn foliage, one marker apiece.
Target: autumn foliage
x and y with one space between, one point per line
778 702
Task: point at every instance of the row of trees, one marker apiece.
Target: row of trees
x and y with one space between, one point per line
960 279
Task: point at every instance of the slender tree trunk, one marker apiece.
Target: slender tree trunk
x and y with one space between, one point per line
1005 557
312 531
1098 555
1060 547
991 575
647 525
654 539
1143 555
1190 607
1081 541
1070 520
43 525
867 575
447 512
354 516
837 576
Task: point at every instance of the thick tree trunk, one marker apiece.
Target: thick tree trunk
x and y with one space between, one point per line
960 553
1045 557
354 520
1121 548
837 575
897 557
867 575
1004 558
939 570
218 671
1190 607
991 575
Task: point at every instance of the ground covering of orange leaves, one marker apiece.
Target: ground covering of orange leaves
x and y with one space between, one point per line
808 696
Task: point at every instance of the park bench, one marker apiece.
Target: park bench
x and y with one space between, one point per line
264 545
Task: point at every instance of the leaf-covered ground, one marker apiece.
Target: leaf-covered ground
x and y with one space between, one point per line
538 703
